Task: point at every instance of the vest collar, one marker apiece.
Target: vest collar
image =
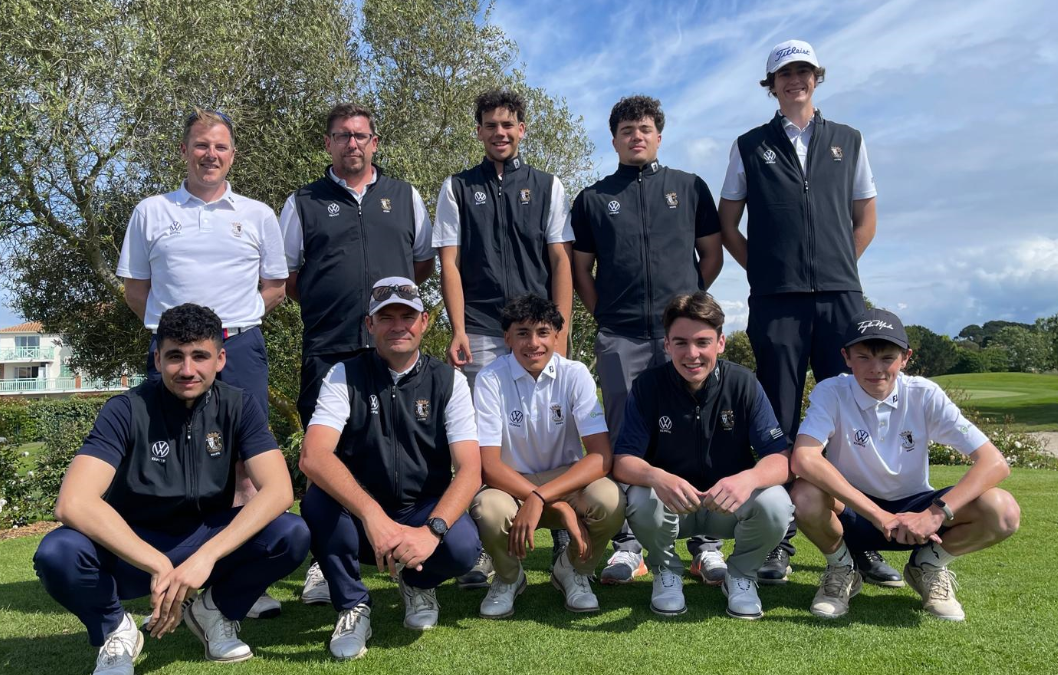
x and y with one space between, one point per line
777 121
332 178
176 406
511 165
711 383
645 171
383 368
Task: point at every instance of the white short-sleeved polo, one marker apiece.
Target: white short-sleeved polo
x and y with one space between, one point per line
447 228
209 254
333 408
537 423
882 447
735 180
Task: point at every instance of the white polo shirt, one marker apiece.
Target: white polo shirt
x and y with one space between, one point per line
537 423
332 405
882 447
209 254
735 181
294 234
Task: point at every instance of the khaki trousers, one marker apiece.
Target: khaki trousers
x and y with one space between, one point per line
601 505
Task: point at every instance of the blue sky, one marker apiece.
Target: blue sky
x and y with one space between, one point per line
957 101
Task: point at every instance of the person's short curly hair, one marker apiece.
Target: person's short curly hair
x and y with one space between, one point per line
698 306
531 309
499 98
635 108
769 81
189 323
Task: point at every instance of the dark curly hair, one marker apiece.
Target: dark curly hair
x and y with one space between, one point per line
698 306
499 98
635 108
531 309
189 323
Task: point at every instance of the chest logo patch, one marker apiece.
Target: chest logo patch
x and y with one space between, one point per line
516 418
214 443
727 419
672 200
835 153
556 413
907 441
665 424
236 229
374 404
614 207
386 204
333 209
861 437
769 156
175 228
422 409
524 195
479 198
159 451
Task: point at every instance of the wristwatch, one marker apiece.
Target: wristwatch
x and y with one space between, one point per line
943 506
438 527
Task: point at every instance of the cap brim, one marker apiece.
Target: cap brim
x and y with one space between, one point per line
397 300
863 338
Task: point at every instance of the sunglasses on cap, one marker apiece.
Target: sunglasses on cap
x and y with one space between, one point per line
405 291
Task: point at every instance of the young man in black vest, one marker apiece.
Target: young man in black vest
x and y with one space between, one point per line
352 226
654 233
390 426
810 192
147 506
502 232
686 450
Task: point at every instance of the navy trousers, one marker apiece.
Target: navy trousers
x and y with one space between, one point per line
91 581
340 546
246 366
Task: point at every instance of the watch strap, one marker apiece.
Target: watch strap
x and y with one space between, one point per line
943 506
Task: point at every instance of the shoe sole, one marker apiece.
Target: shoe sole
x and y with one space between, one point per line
614 581
745 617
267 614
885 583
661 612
419 628
192 625
359 654
763 581
521 589
315 601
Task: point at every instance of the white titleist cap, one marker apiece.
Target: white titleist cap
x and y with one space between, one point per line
790 51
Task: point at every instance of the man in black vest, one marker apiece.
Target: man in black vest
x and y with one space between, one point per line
390 426
147 506
654 233
502 232
811 194
686 450
352 226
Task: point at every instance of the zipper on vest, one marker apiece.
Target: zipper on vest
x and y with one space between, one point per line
646 257
193 459
698 438
363 246
501 213
393 437
811 230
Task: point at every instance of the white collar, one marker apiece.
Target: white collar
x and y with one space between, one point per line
518 372
865 401
183 196
341 181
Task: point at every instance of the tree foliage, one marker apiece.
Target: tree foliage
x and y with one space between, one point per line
932 354
739 350
1028 351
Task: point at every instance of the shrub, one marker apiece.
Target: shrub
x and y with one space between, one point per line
291 453
17 420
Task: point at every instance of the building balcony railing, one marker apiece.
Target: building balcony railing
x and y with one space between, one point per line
59 385
27 354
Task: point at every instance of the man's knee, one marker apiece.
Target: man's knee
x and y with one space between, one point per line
289 537
493 510
1001 512
640 500
62 555
463 545
810 503
774 507
603 501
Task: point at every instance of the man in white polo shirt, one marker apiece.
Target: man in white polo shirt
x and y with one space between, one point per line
534 409
206 245
872 491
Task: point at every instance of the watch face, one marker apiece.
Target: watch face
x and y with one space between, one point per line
438 526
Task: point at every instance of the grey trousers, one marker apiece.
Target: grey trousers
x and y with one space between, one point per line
619 361
484 349
757 527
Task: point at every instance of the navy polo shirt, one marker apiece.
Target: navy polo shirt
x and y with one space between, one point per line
701 436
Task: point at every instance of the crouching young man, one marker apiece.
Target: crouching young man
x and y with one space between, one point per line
534 408
146 506
686 451
389 427
871 491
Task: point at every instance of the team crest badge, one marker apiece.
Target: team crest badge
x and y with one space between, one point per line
214 443
861 437
556 413
769 156
422 409
374 404
524 194
835 152
387 205
479 198
671 200
236 229
907 441
727 419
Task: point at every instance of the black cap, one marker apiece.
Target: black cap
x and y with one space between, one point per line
876 324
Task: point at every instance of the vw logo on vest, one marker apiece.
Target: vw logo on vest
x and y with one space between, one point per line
769 156
665 424
332 210
614 207
479 198
160 449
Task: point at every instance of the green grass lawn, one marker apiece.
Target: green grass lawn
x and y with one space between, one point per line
1030 399
1011 626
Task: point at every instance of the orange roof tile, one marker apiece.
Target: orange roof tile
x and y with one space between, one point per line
28 327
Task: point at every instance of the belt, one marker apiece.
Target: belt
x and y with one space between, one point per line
232 332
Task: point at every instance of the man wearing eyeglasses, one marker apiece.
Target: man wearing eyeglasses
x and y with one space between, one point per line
206 245
392 453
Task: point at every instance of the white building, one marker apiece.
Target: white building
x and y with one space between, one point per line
35 364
